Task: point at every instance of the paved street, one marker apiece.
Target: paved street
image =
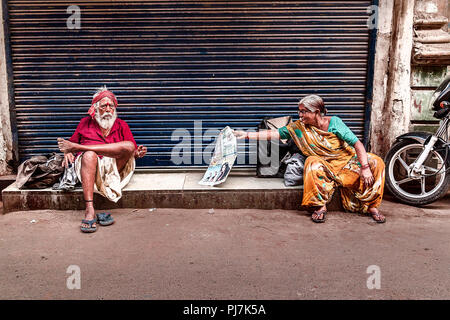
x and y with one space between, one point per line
228 254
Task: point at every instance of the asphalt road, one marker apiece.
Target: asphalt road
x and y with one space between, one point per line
228 254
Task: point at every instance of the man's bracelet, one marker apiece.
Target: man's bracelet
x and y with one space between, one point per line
246 136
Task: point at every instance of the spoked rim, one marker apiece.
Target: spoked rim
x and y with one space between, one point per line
421 181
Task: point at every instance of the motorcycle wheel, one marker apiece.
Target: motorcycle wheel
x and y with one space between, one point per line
421 190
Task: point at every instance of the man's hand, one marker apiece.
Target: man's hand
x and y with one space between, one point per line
140 152
68 158
65 146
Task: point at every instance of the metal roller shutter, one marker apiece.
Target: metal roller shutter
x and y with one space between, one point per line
173 62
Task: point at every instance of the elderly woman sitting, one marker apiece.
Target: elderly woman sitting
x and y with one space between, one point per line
335 158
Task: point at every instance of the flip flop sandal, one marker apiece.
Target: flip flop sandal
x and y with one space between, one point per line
105 219
318 213
377 215
90 223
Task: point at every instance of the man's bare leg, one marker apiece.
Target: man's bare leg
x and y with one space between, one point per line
121 151
88 172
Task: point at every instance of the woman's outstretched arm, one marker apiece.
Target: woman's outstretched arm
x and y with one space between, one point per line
259 135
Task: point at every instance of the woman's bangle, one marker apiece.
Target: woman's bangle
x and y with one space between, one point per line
365 166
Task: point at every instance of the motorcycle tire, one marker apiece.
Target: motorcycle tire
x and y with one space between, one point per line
414 200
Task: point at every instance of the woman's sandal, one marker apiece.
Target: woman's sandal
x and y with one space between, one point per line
376 216
318 213
90 223
105 219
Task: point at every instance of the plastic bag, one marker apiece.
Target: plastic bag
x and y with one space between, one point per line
293 176
68 180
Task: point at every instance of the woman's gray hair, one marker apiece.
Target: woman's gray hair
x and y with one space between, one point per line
313 103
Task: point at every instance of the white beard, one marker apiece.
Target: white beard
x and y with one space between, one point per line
107 120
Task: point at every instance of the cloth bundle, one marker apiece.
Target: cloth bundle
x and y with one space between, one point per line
40 172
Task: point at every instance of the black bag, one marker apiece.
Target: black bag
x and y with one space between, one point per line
271 153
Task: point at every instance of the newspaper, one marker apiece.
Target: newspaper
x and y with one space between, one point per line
222 161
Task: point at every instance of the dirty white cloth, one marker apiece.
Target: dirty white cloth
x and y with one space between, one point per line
109 182
69 179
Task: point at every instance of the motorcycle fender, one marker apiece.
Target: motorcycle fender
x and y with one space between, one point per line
417 136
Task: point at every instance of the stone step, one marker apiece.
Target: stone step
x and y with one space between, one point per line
169 190
5 181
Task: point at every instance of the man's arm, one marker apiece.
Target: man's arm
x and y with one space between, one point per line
140 151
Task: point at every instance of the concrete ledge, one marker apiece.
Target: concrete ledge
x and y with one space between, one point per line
169 190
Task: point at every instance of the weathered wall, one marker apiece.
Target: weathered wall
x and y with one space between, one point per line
384 37
424 80
410 61
392 99
6 139
432 41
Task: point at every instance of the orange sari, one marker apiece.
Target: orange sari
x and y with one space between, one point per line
331 163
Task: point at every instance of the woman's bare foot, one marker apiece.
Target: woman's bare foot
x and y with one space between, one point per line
66 146
376 215
319 214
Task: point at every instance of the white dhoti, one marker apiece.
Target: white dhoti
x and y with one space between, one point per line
109 182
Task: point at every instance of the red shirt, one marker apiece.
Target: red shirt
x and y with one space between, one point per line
88 132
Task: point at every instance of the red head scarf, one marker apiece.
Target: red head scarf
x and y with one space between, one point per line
99 97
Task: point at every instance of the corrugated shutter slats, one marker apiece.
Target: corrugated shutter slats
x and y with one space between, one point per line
173 62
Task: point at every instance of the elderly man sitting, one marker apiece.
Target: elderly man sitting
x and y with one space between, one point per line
105 155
